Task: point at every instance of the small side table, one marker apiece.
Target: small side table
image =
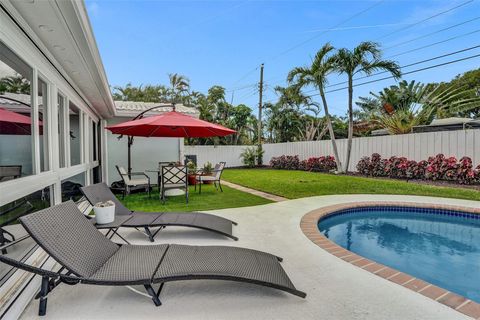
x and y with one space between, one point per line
113 226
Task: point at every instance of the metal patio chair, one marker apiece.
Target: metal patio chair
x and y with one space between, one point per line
173 177
215 177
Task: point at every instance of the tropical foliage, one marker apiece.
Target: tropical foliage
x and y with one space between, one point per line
399 108
14 84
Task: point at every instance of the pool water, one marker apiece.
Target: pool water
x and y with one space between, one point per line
441 247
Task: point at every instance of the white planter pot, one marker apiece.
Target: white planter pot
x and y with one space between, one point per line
104 215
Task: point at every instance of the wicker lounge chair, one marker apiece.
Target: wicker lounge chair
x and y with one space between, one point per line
101 192
87 257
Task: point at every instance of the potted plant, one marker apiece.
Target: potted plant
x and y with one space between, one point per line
207 171
192 173
104 212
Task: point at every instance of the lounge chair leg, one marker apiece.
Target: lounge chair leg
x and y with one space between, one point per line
149 234
44 289
153 294
220 185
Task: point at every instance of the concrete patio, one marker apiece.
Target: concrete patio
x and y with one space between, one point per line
335 289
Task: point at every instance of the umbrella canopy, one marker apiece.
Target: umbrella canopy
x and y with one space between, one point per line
15 123
170 124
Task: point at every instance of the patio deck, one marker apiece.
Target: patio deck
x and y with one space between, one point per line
335 289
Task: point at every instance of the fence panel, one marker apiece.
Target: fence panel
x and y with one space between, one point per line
415 146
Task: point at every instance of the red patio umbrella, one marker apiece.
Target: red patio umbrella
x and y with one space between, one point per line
15 123
171 124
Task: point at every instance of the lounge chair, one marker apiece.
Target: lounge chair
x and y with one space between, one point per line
134 183
87 257
100 192
215 177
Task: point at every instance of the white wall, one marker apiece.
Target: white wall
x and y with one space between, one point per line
146 152
416 146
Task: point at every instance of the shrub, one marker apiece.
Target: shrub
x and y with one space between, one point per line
317 164
438 167
285 162
249 157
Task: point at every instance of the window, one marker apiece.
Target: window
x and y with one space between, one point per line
10 227
16 139
75 134
62 131
71 187
43 124
94 139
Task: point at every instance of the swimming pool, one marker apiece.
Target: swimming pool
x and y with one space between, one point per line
439 246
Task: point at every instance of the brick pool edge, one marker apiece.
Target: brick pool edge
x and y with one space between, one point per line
309 226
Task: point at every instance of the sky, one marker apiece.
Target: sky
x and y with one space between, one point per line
224 42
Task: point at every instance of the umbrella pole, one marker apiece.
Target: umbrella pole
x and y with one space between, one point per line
130 142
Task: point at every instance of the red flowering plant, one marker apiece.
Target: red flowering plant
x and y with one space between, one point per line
285 162
438 167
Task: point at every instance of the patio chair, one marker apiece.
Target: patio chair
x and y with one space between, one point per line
10 172
173 177
100 192
215 178
143 182
87 257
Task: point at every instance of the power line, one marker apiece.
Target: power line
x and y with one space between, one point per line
424 20
406 66
409 72
435 43
431 34
329 29
427 35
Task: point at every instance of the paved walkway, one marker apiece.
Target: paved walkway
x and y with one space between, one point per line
262 194
335 289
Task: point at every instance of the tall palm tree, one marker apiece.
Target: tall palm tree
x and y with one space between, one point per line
365 58
316 75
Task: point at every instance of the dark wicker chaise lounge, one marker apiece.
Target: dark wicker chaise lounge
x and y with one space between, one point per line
86 256
100 192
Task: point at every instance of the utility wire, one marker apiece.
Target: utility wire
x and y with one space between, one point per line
409 72
405 66
424 20
427 35
430 34
329 29
435 43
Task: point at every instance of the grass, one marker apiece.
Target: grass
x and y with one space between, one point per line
210 199
298 184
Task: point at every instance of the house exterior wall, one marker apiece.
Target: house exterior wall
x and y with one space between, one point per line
18 287
146 152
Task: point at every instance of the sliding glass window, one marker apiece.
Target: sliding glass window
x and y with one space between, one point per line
16 138
75 134
43 124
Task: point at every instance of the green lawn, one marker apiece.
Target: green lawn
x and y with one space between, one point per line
298 184
210 199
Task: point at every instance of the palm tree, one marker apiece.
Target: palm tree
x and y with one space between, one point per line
14 84
316 75
365 58
179 87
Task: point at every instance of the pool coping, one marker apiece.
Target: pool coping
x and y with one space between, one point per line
309 226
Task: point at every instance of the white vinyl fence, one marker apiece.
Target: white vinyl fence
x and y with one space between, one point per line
415 146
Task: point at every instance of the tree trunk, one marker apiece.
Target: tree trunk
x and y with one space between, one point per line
350 122
330 130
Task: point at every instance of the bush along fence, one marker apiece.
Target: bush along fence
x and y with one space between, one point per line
438 167
317 164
